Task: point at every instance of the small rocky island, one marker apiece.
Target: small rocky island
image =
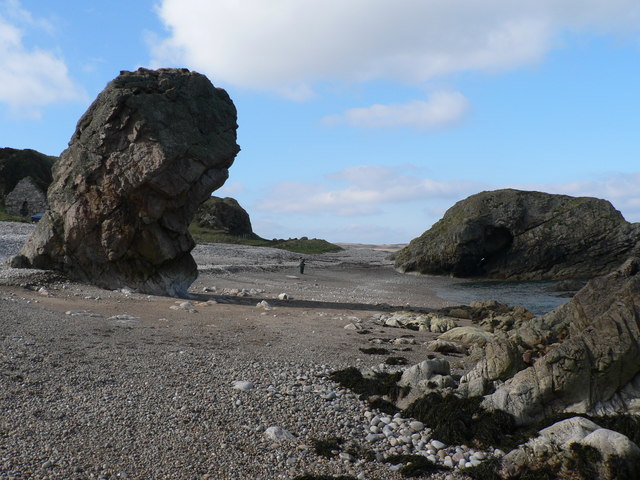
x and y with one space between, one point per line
521 235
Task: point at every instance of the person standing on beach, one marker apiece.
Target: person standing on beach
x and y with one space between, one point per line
301 266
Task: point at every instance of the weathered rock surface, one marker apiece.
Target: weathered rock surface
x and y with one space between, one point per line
224 214
575 448
17 164
148 151
589 355
520 235
26 199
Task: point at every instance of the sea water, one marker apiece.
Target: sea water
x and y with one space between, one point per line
537 297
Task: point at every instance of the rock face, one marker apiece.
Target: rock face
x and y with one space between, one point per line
148 151
589 350
224 214
18 164
575 448
519 235
26 199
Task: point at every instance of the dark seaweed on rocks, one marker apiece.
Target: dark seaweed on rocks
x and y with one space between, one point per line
372 388
487 470
327 447
415 465
396 361
374 351
308 476
380 384
456 421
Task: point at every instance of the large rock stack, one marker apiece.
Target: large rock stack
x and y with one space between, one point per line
225 215
148 151
519 235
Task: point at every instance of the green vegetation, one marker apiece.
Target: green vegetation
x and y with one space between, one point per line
304 245
4 217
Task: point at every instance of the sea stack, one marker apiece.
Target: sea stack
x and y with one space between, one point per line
148 151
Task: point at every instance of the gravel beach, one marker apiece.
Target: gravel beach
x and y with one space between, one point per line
116 384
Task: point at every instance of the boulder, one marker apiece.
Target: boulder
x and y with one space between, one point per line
575 448
17 164
428 376
468 336
148 151
520 235
593 365
224 214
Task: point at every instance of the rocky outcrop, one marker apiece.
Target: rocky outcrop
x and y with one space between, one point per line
26 199
589 350
17 164
575 448
519 235
148 151
224 214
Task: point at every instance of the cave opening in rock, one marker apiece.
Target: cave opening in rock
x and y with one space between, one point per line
497 240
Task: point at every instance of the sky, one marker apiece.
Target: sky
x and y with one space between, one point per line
360 120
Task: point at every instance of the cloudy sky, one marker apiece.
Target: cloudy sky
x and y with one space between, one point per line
360 120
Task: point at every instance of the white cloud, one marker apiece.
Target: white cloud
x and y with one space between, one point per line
618 188
367 191
30 78
442 109
230 189
289 45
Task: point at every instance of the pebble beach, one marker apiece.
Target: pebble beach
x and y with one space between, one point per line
115 384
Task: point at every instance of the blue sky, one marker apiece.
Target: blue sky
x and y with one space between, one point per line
360 120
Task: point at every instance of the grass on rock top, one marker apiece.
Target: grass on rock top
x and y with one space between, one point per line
5 217
302 245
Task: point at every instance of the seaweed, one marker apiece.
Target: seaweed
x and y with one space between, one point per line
328 446
415 465
383 405
380 384
584 460
487 470
375 351
396 361
456 420
309 476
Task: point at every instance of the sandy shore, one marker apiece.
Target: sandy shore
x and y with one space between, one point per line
117 384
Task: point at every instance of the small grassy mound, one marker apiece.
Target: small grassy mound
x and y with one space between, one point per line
302 245
457 421
4 217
